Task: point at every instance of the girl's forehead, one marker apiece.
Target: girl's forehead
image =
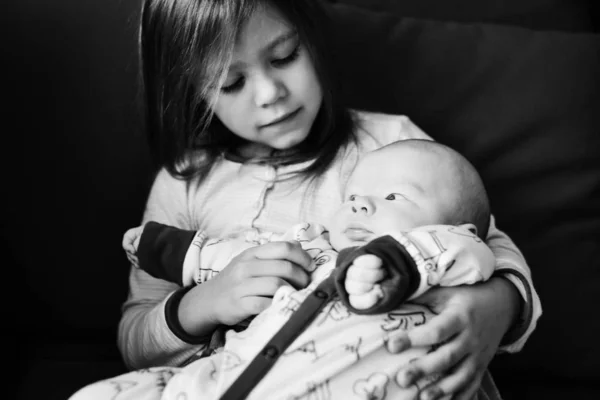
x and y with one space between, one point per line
263 28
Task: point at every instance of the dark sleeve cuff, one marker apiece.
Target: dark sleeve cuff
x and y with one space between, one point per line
402 275
172 317
518 329
162 250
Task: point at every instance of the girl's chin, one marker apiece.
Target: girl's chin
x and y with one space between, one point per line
265 149
289 140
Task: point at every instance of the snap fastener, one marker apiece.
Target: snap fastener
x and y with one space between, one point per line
321 294
270 352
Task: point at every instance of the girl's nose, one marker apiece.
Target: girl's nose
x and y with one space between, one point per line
362 204
268 90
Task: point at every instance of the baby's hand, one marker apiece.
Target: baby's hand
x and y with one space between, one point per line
362 281
131 242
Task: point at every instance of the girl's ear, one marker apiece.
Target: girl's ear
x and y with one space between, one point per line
469 227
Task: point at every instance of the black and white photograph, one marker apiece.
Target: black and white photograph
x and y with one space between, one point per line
301 199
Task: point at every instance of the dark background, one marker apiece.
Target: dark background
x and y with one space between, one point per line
69 104
69 89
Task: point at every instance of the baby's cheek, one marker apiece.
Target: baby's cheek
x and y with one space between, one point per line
336 239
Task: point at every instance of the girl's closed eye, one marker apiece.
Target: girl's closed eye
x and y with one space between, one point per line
290 58
235 86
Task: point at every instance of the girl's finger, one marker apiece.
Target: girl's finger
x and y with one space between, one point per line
441 360
461 377
286 270
254 305
290 251
438 329
264 286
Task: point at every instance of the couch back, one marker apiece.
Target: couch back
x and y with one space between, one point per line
563 15
75 167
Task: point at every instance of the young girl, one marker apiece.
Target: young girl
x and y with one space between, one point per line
244 118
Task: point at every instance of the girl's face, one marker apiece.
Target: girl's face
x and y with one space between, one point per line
271 95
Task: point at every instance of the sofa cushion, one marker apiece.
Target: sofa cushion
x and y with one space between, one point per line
77 169
524 107
57 378
572 15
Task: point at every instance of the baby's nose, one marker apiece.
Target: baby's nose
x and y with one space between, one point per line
362 204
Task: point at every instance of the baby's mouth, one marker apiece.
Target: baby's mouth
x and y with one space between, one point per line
358 234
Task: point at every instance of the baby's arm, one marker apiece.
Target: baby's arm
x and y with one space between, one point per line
179 256
392 269
160 250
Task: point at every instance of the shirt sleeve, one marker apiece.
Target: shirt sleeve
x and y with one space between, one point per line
448 255
511 264
417 260
144 337
162 249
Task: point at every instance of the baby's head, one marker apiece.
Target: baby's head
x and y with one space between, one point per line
408 184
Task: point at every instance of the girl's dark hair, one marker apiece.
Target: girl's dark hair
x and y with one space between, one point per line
185 49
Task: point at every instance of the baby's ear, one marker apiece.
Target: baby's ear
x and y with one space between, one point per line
469 227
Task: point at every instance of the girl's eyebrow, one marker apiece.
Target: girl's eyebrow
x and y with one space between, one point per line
284 37
281 39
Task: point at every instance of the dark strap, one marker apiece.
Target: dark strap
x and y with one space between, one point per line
268 356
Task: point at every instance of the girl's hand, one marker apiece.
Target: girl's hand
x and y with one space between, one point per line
470 324
245 287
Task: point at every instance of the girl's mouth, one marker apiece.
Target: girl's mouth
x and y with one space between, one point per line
284 118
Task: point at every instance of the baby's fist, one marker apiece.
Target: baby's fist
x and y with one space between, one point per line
362 280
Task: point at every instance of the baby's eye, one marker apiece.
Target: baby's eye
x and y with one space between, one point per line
352 197
394 196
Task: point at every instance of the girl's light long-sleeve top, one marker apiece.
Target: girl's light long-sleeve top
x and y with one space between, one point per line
237 197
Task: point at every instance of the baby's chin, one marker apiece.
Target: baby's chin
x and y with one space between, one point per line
340 241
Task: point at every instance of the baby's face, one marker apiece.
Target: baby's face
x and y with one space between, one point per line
391 191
